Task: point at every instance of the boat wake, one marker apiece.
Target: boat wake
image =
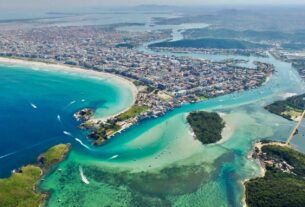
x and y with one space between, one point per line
83 177
80 141
69 104
7 155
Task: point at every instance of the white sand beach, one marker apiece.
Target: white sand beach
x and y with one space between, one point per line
75 70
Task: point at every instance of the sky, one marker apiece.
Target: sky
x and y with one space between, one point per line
32 4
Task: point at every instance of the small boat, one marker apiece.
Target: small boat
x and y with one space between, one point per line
67 133
113 157
33 106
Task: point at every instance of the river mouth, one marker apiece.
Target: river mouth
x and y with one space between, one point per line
139 166
158 163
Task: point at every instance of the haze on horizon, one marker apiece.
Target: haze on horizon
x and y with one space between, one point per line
51 4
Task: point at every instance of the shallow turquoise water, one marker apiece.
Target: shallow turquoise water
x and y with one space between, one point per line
37 106
158 163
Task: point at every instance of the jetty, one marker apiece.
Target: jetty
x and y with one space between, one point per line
295 130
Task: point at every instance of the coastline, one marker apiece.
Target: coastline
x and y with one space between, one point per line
28 177
227 131
258 145
57 67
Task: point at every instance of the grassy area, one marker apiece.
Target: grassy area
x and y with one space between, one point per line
53 155
288 108
203 98
206 126
278 188
132 112
18 190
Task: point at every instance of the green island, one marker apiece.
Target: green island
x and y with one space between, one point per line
207 126
210 43
291 108
284 181
19 190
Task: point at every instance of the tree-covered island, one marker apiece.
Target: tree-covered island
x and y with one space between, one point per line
207 126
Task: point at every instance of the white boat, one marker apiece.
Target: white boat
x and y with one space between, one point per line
33 106
113 157
67 133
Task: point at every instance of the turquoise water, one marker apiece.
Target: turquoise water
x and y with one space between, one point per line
158 163
36 107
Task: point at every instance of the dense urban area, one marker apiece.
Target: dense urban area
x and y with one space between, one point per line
163 82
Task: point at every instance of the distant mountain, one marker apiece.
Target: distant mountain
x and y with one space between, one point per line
156 7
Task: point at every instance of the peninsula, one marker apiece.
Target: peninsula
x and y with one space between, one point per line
20 188
291 108
162 82
283 182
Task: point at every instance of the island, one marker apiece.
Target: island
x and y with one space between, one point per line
207 126
210 43
291 108
283 183
20 188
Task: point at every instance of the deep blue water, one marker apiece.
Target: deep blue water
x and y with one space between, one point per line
37 107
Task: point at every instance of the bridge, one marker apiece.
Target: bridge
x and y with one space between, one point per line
295 130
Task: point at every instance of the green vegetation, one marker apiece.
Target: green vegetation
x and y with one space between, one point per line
278 188
53 155
288 108
19 189
103 131
126 45
132 112
206 126
210 43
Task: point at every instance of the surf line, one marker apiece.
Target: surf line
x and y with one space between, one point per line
83 177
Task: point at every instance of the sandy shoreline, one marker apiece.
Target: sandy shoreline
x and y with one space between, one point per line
78 71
